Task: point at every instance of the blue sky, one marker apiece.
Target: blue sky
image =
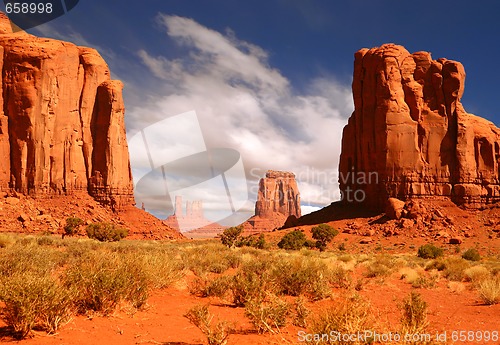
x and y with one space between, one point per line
271 79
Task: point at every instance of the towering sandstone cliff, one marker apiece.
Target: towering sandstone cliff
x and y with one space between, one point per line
278 193
410 128
61 120
278 198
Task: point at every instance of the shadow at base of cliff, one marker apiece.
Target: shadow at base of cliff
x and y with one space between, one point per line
335 211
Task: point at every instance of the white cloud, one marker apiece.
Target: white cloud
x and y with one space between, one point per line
244 104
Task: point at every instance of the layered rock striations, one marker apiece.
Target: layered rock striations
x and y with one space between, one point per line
61 121
409 135
278 193
277 200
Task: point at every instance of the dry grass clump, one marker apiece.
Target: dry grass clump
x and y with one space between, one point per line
476 274
456 287
414 318
309 276
253 282
216 331
32 300
453 267
300 313
209 258
268 315
350 315
381 265
409 275
103 279
489 290
206 286
30 290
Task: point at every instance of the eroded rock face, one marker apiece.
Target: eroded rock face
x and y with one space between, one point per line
278 200
61 120
410 130
278 193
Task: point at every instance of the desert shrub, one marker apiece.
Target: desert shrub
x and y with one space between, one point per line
379 266
103 280
471 254
209 258
269 315
252 241
215 287
295 276
376 270
456 287
409 275
20 258
310 244
489 290
345 258
162 267
438 265
350 316
455 268
31 300
230 236
300 313
293 240
425 282
476 274
414 318
340 277
323 234
217 332
72 226
106 232
45 241
429 251
252 282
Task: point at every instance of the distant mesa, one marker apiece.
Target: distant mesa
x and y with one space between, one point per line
409 135
278 199
193 219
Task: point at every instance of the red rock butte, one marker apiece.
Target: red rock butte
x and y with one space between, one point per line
409 135
277 200
62 124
